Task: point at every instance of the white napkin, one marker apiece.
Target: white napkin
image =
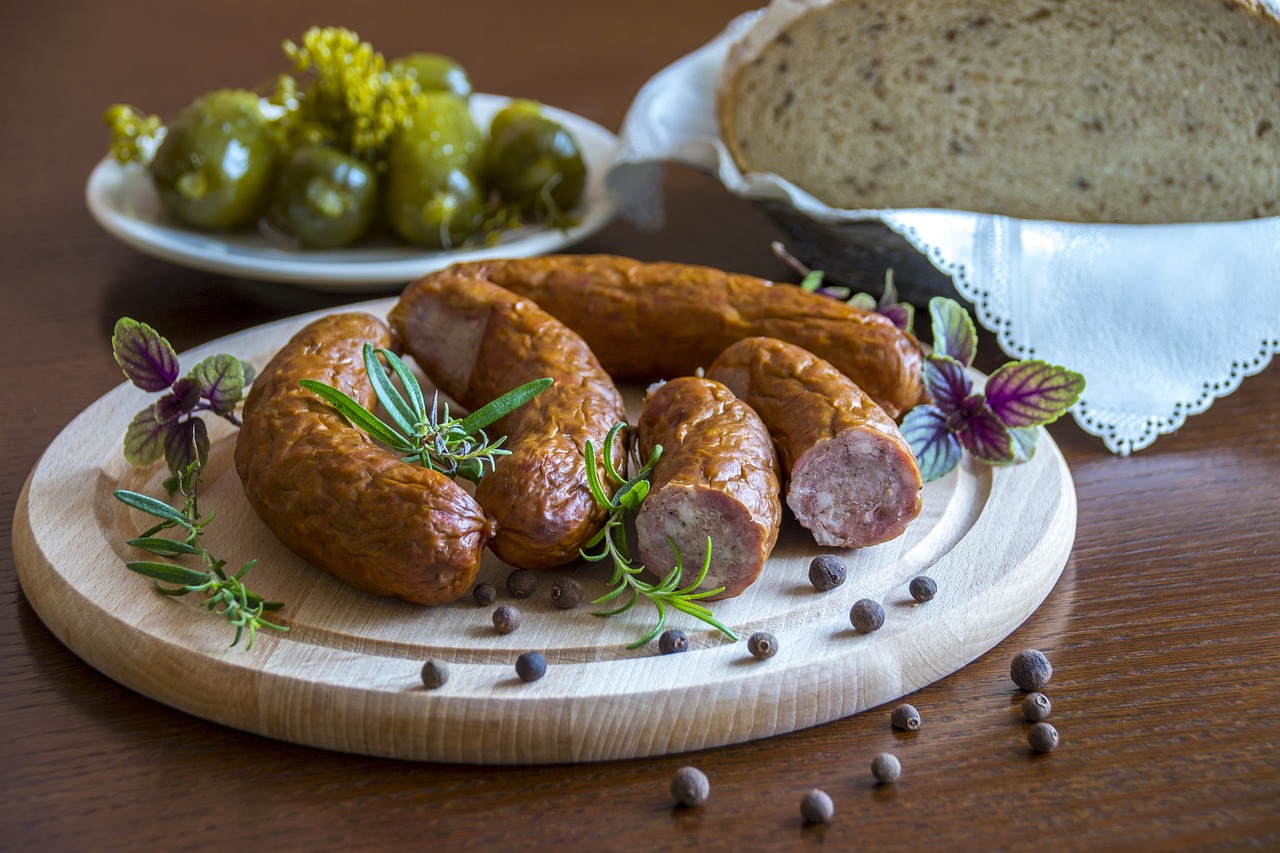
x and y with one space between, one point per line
1161 319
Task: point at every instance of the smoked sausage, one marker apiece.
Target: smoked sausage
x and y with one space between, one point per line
648 321
717 477
476 341
852 478
336 498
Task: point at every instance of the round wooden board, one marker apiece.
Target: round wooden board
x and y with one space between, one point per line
346 676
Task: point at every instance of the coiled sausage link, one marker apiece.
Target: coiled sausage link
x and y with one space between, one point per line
647 321
477 341
717 478
336 498
852 478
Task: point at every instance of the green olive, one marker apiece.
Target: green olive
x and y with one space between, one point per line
512 111
536 164
324 197
431 198
434 72
442 128
217 163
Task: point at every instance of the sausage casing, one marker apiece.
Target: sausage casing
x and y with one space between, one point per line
336 498
647 321
717 477
477 341
852 478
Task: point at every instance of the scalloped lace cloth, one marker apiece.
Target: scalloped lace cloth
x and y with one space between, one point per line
1160 319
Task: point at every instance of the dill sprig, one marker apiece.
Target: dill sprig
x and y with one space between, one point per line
612 544
456 447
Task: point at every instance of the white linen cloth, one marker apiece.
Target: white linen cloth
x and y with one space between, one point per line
1161 319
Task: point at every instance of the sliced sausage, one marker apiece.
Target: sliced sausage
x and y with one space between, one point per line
336 498
853 480
717 477
477 341
662 320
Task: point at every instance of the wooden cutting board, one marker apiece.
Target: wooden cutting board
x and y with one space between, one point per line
346 676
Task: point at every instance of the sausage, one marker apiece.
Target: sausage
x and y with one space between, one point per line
717 477
336 498
663 320
476 341
853 480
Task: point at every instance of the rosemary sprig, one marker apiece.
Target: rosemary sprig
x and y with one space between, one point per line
612 544
224 594
427 436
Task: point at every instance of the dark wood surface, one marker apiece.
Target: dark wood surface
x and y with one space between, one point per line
1163 630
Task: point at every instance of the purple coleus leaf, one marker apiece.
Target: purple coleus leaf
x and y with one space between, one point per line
953 331
1032 393
221 381
181 400
146 358
1024 442
981 432
186 442
901 314
936 448
144 439
947 382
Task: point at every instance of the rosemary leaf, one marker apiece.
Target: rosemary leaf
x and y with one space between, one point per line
506 404
151 506
358 415
400 411
169 573
163 547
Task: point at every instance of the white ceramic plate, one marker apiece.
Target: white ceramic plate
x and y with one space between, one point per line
123 201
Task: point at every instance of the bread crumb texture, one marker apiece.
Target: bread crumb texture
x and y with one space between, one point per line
1127 111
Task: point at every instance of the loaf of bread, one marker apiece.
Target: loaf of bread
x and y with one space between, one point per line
1125 111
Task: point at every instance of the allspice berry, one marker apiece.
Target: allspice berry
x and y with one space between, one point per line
522 582
673 641
762 645
826 572
866 615
566 593
690 786
816 807
1036 707
434 674
484 594
905 717
506 618
1030 669
886 768
923 589
531 666
1043 737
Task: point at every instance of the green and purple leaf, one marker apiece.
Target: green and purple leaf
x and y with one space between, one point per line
953 331
146 358
145 437
186 442
983 434
947 382
1024 442
220 379
936 448
901 314
1032 393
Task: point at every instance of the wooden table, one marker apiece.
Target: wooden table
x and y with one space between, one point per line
1163 630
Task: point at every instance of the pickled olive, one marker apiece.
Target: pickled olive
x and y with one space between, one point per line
514 110
434 72
536 164
441 128
216 166
324 197
429 202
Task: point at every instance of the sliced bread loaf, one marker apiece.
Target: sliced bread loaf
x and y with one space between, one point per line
1131 111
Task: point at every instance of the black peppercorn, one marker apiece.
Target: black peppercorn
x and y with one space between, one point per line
434 674
522 582
531 666
1030 669
923 589
826 572
690 786
1036 707
816 807
905 717
762 645
484 594
506 618
886 768
566 593
866 615
1043 737
672 641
